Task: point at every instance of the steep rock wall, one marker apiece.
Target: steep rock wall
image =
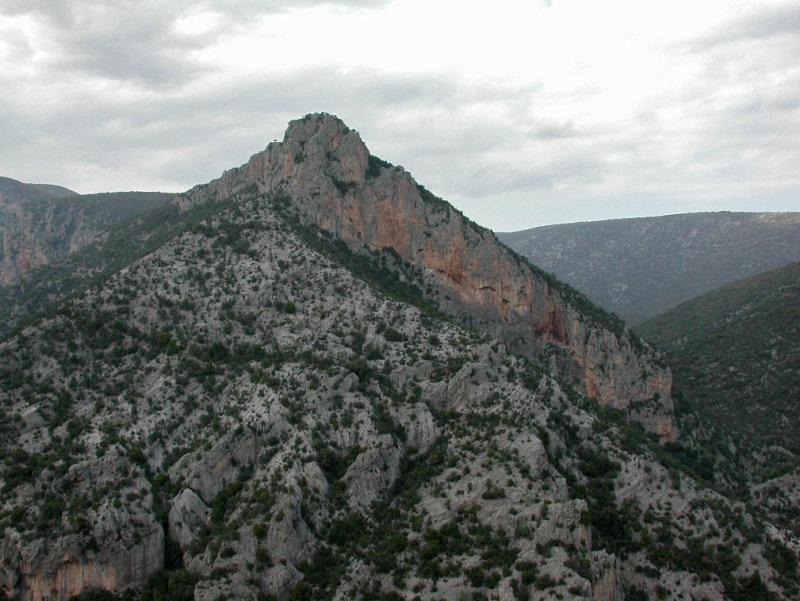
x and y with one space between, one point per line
333 183
58 574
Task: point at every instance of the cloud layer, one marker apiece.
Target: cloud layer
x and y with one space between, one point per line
521 113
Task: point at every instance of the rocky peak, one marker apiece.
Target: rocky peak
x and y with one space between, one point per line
332 182
322 142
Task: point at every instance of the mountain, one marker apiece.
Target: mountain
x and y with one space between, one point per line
735 353
329 181
118 246
12 191
639 268
43 224
326 383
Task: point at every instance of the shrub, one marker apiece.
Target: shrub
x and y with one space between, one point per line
545 581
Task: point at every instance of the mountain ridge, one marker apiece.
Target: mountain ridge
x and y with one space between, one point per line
12 190
326 170
642 266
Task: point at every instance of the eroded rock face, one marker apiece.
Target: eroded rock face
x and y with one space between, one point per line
607 584
60 573
20 248
43 225
372 473
187 515
327 173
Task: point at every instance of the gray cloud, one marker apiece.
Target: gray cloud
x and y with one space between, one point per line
18 46
67 12
136 40
124 103
122 41
761 23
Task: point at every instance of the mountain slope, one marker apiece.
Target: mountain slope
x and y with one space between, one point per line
639 268
266 410
41 225
735 353
241 409
329 180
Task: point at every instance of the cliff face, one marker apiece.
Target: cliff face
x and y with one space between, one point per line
333 183
30 236
61 573
40 229
24 243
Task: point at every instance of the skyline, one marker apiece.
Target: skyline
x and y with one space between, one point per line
518 113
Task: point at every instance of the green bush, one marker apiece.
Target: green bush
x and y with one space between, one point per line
545 581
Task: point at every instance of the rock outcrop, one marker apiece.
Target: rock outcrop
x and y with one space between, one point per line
607 580
332 182
57 574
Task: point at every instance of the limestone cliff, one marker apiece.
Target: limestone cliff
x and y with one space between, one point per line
62 572
333 182
41 225
111 547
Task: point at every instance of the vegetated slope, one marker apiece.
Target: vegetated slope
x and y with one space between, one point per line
639 268
120 245
735 355
265 413
42 225
264 408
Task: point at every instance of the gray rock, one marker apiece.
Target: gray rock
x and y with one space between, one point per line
187 514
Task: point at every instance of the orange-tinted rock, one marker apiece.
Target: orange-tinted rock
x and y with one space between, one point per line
59 574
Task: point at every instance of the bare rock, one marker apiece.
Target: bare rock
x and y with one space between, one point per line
607 581
187 514
372 473
60 572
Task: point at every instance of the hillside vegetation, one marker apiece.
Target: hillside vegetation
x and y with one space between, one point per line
641 267
735 356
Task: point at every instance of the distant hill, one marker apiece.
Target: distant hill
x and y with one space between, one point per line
12 190
639 268
41 224
735 356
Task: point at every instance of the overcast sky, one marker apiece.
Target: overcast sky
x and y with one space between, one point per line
519 112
